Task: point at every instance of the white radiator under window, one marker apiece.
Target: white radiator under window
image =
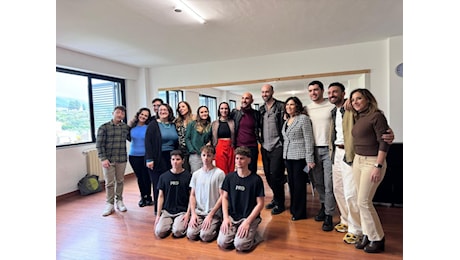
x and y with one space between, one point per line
93 164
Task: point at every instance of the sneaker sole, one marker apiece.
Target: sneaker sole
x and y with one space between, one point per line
350 240
341 228
105 214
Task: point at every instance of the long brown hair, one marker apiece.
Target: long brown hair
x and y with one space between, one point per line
202 125
183 119
372 102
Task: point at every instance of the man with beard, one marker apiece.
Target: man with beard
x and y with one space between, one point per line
271 139
247 122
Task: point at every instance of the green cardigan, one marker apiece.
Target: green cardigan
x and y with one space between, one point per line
195 140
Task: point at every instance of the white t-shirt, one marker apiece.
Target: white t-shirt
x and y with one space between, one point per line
320 115
207 188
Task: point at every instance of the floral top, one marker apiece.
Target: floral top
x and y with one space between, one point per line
181 128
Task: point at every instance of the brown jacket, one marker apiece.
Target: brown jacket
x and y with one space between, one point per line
215 127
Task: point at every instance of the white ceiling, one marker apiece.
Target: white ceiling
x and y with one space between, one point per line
148 33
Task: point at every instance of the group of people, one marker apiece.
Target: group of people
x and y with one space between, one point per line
203 173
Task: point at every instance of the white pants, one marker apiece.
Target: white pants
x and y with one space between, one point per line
345 193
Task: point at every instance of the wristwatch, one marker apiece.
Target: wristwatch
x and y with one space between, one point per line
377 165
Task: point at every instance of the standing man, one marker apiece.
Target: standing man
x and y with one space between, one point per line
271 139
247 122
111 149
320 114
342 159
156 103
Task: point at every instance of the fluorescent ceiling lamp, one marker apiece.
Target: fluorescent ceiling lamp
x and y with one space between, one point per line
192 12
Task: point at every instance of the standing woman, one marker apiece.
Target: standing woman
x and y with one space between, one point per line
369 165
137 155
160 139
198 134
184 117
298 154
223 138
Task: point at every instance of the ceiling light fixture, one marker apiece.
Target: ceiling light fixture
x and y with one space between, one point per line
182 5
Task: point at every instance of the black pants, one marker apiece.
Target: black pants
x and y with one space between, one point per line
274 173
142 174
254 157
155 174
297 179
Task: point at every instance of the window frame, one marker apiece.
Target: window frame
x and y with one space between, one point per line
90 77
213 113
172 97
232 104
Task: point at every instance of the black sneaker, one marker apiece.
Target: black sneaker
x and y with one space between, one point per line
327 225
277 210
321 215
141 203
149 201
270 205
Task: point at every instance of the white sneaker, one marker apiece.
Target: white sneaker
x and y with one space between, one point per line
121 207
108 210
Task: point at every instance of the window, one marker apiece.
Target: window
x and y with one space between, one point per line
211 103
232 104
256 106
171 97
84 101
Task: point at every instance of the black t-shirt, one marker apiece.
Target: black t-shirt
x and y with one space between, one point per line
242 193
176 191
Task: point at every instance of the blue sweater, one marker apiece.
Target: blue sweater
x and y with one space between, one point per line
138 140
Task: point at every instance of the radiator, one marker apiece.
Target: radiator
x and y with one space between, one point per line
93 164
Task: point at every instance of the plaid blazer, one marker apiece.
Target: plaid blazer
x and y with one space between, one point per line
298 139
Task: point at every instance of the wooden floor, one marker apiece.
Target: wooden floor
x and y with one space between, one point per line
82 233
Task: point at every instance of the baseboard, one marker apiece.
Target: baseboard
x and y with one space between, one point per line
77 192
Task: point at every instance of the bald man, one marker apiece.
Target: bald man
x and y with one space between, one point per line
247 128
271 140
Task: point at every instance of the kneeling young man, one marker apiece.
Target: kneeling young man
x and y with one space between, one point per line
242 201
173 197
205 201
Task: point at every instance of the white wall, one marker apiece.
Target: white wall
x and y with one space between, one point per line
380 57
142 84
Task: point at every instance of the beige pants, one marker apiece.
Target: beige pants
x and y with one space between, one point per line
114 179
370 221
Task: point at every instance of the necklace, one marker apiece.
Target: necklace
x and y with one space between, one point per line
166 125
